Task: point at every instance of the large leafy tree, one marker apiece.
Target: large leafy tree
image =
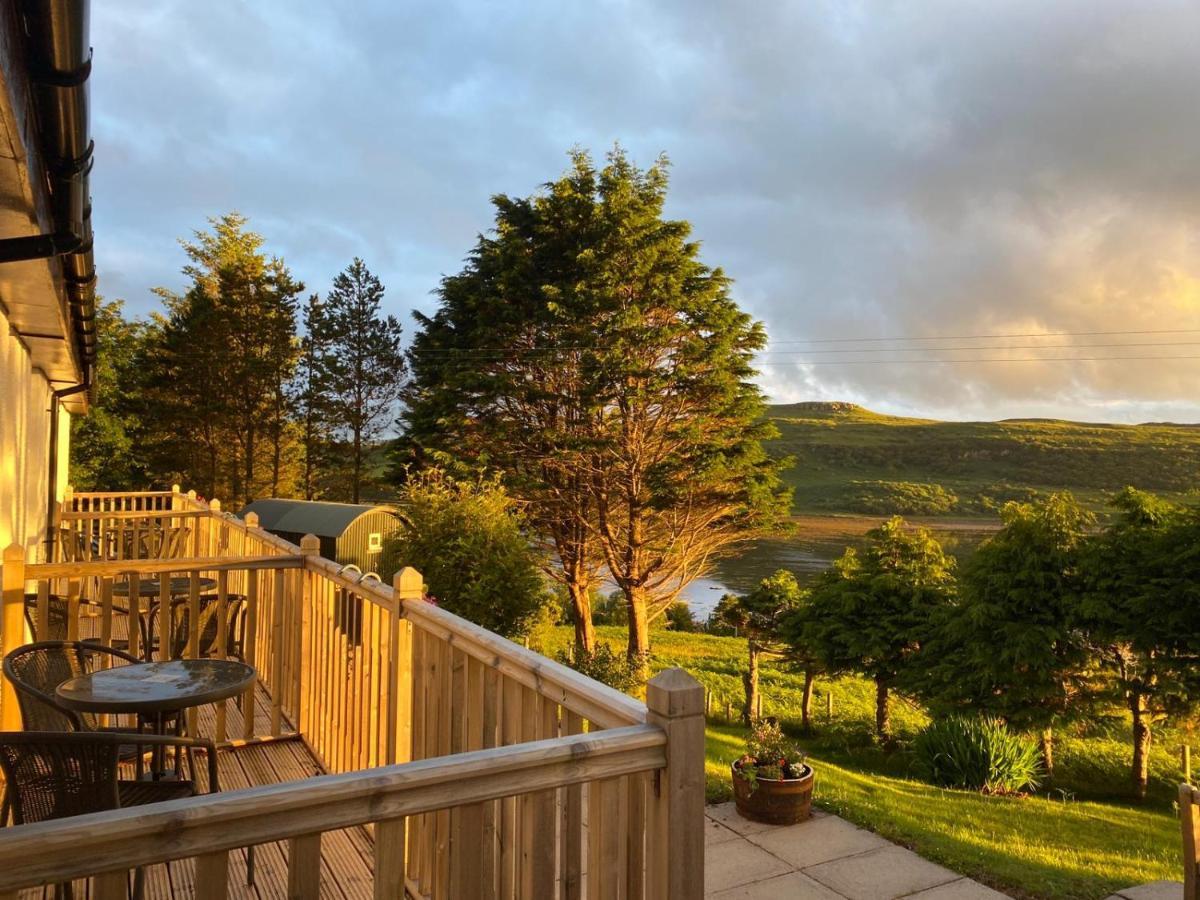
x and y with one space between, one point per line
1011 646
107 446
358 368
759 616
220 364
870 613
587 354
1142 579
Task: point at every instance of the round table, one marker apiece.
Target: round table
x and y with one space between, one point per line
151 587
156 689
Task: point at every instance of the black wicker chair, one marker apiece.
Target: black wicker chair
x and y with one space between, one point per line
36 670
209 612
52 775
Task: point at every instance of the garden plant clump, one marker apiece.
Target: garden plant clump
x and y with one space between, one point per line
978 754
771 756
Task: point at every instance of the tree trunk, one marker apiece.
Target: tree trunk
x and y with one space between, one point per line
750 683
581 607
357 463
1141 744
639 629
1047 743
883 715
810 678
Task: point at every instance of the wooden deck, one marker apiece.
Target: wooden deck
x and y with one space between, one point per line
346 855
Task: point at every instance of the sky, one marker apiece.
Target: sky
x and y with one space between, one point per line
888 183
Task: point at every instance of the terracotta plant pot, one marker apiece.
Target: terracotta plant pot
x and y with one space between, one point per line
783 802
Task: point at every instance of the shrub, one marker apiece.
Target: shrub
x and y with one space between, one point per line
606 665
979 754
680 617
901 497
467 539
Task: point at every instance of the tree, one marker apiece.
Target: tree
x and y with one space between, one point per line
587 355
466 539
870 613
1141 575
759 615
220 361
106 444
1011 647
359 368
309 401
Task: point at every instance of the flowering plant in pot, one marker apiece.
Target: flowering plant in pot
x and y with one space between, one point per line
772 783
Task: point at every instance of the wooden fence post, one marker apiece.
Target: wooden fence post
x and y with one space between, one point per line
12 627
1189 823
408 586
1185 762
676 704
310 545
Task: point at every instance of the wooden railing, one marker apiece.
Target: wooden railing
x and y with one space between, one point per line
494 756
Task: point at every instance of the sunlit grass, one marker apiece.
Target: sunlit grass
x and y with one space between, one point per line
1071 844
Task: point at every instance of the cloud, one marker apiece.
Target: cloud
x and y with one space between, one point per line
871 169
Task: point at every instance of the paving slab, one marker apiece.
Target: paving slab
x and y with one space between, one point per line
882 874
738 862
963 889
1155 890
816 841
794 886
716 833
727 815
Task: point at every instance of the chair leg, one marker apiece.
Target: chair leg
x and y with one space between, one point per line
250 865
139 883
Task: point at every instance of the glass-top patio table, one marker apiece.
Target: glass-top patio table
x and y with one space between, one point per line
156 691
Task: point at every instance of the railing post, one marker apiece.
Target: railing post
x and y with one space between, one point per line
12 627
310 545
408 586
676 853
1189 822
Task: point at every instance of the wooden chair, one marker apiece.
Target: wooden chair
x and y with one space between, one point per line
1189 820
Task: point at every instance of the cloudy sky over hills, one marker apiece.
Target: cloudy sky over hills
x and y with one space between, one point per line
917 170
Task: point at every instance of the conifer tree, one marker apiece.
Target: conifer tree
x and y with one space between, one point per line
360 370
220 359
587 354
870 613
1012 646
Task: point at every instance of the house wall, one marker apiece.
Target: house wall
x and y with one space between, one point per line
25 398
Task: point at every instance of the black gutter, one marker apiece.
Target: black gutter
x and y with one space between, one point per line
60 63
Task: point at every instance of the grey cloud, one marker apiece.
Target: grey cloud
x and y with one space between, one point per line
861 169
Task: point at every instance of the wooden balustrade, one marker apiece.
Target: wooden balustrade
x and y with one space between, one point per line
493 757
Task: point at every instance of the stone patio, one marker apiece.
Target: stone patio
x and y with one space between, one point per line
827 858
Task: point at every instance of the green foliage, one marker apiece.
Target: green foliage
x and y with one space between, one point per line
985 464
759 614
587 354
606 665
219 365
357 370
977 754
872 611
680 617
610 609
1009 647
771 755
107 452
900 497
466 539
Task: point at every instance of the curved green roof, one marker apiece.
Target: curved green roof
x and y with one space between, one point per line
309 516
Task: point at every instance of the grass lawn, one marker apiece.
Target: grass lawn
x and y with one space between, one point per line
1079 841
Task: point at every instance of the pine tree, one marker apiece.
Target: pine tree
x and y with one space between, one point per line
360 369
220 360
308 401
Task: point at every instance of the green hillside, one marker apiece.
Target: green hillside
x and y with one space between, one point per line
849 459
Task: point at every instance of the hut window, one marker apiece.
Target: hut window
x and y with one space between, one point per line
374 542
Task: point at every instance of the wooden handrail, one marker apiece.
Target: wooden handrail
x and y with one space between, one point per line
80 846
112 567
128 514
